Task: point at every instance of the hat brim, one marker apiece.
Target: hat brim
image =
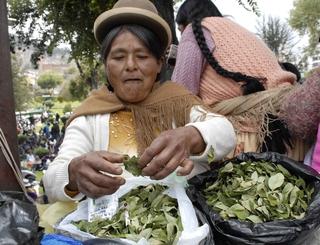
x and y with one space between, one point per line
129 15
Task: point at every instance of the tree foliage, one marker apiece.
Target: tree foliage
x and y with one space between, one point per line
305 18
78 89
278 36
21 89
44 24
250 5
49 81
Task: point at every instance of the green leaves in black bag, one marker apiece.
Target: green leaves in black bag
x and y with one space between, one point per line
258 192
131 165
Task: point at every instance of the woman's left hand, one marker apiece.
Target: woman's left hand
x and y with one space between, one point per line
170 150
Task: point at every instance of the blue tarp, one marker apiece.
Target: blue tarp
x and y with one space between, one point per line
54 239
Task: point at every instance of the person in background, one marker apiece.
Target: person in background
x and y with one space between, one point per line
46 130
164 124
301 112
55 130
30 158
57 118
234 72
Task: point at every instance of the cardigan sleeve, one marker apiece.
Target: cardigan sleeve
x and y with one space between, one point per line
190 61
77 141
216 131
301 108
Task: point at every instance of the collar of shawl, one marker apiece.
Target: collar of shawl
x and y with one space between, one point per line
168 104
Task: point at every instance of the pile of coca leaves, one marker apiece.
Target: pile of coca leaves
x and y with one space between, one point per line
258 192
145 212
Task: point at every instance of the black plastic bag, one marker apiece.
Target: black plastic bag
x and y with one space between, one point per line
18 219
234 231
209 240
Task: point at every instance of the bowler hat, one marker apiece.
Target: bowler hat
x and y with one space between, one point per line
140 12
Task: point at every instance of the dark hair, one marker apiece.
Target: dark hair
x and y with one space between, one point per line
196 8
147 37
193 11
291 68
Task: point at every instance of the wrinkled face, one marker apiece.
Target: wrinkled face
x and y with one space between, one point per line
131 68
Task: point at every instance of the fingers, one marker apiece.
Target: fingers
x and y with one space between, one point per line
150 153
95 190
103 180
85 173
185 167
111 157
158 162
166 153
106 162
164 164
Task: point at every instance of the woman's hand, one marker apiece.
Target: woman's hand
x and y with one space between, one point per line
170 150
85 173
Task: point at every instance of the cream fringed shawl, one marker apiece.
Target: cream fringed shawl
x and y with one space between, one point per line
249 113
168 104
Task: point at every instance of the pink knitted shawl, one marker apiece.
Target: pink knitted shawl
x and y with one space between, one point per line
238 50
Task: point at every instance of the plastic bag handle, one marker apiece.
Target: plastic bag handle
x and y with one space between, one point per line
10 160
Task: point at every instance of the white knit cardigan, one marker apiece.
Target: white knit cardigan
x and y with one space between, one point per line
91 133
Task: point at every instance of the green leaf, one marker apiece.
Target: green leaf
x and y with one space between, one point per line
300 216
254 176
275 181
273 200
246 205
239 211
301 183
254 218
221 206
264 210
146 233
131 165
170 230
211 155
284 171
227 168
293 196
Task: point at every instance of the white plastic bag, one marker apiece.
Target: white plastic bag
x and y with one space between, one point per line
192 233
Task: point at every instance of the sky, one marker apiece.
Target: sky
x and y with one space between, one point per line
274 8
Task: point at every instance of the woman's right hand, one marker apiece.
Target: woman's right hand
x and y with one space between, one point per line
85 173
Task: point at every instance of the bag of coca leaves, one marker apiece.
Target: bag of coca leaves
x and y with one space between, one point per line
259 198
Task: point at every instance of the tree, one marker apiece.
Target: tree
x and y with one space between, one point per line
305 18
78 89
278 36
49 81
21 88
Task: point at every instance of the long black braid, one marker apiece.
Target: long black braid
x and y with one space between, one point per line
252 84
280 137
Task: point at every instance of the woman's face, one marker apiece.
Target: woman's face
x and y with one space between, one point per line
131 68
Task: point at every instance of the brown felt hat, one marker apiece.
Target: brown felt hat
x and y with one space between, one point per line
141 12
